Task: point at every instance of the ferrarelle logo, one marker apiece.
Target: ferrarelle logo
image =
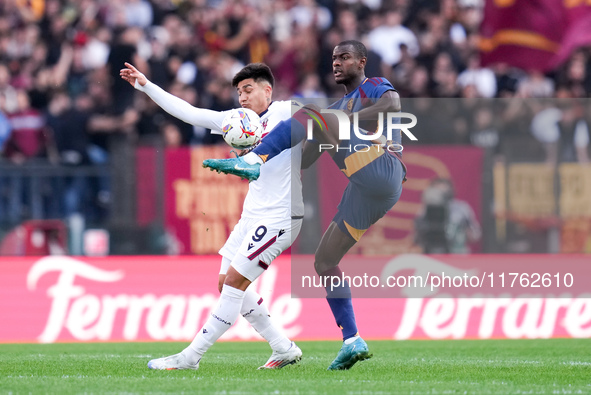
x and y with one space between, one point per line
89 316
515 317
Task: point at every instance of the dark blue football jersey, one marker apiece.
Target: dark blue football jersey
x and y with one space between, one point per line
365 95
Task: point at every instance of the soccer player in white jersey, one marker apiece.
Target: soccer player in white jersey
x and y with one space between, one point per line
271 219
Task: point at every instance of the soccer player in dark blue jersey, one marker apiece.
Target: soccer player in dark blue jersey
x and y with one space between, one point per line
375 177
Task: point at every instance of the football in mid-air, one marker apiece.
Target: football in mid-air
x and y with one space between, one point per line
242 128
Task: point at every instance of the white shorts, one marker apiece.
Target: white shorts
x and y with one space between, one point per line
260 241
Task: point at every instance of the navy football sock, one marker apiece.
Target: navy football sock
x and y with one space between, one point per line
339 300
285 135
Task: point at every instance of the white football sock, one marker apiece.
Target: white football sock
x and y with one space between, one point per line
258 316
351 339
251 158
221 319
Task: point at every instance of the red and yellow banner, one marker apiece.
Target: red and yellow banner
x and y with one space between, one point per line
533 34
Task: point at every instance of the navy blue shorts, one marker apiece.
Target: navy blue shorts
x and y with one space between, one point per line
373 190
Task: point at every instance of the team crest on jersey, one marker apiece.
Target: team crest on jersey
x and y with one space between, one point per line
350 105
265 124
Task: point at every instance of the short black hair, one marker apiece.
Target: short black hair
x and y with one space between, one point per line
256 71
358 48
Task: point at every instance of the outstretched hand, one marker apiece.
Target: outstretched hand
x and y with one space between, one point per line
131 74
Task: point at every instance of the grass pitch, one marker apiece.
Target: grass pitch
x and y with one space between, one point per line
555 366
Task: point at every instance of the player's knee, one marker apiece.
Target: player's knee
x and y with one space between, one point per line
236 280
221 281
323 260
318 262
317 266
322 266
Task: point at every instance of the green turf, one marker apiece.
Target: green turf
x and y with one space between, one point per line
556 366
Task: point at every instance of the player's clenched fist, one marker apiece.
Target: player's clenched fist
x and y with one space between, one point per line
131 75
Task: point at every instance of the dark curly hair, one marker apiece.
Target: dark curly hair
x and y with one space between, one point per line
256 71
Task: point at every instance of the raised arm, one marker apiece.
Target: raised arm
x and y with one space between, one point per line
388 102
173 105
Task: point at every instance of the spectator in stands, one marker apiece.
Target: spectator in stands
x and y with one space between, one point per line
574 75
418 85
157 63
68 122
171 135
564 133
29 142
138 13
125 48
507 80
347 23
8 96
29 138
535 85
483 79
310 87
308 13
151 119
387 38
223 99
484 132
444 76
97 48
402 72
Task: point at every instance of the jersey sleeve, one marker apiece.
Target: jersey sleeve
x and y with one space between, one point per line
184 111
375 87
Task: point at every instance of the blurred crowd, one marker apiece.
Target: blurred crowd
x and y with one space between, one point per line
61 97
62 101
